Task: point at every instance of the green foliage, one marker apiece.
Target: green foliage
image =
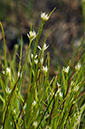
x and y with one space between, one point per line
83 12
55 103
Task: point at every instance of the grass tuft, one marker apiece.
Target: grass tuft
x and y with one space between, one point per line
47 103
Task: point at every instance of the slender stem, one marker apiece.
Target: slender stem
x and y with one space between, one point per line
10 100
4 51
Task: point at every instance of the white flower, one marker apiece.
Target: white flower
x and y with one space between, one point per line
8 72
74 102
36 61
45 69
35 56
39 48
32 35
3 72
19 74
72 83
78 66
32 56
43 48
24 107
34 103
44 16
35 124
58 84
48 127
8 90
66 70
51 93
14 111
10 123
60 93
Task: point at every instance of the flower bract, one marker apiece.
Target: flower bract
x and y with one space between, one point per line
44 16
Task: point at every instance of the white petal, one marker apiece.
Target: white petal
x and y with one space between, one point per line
39 47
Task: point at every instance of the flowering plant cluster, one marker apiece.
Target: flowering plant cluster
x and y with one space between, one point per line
47 102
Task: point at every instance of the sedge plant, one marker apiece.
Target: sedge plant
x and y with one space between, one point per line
56 103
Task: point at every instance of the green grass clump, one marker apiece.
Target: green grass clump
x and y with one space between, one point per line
55 103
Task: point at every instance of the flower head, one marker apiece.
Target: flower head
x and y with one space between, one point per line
43 48
35 58
36 61
66 70
60 93
31 55
24 107
19 74
35 124
8 72
58 84
45 69
77 67
44 16
32 35
8 90
48 127
14 111
34 103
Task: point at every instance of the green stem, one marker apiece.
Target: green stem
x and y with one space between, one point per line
5 60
